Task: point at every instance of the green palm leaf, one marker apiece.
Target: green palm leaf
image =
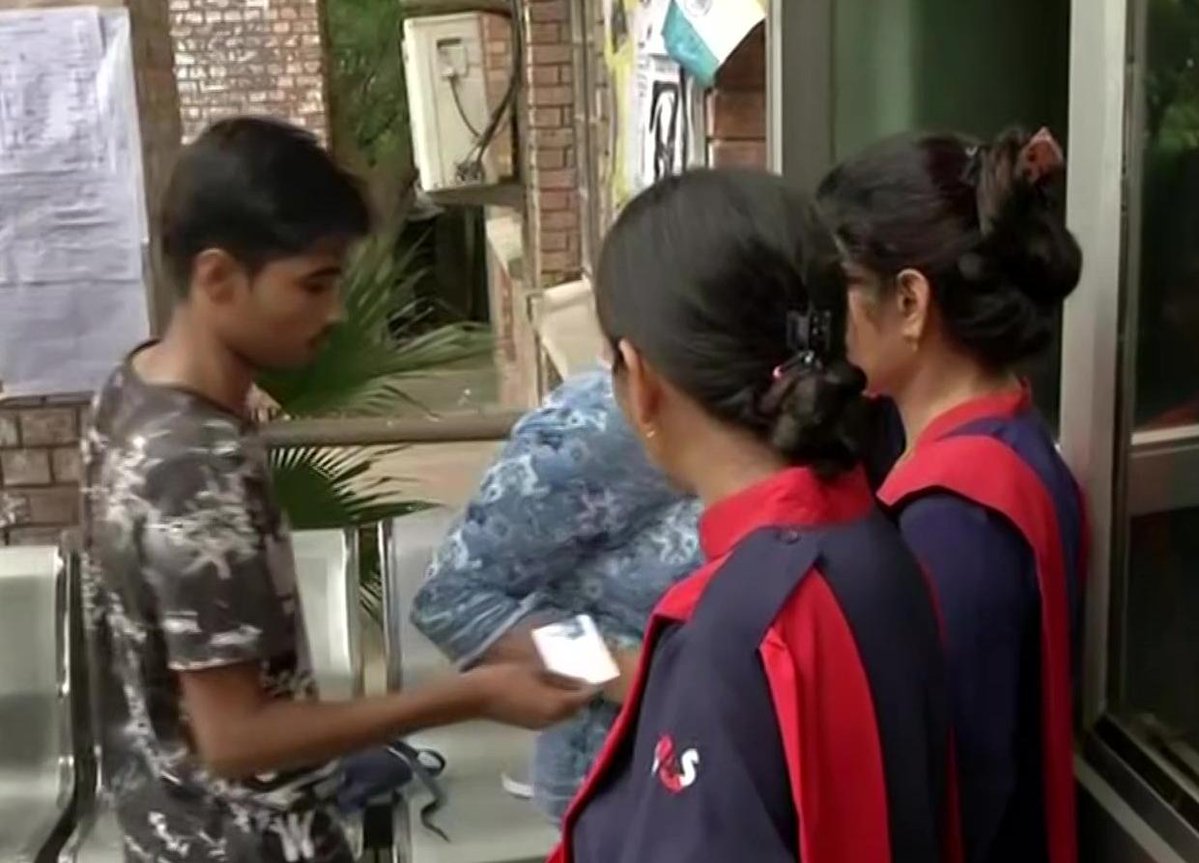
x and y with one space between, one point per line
323 488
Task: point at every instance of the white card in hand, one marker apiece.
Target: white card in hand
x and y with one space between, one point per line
574 649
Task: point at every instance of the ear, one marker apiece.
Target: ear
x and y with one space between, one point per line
913 300
216 276
643 389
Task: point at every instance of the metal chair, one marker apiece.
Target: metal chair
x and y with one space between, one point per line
37 764
327 576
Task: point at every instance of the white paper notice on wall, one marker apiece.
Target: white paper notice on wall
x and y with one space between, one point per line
73 228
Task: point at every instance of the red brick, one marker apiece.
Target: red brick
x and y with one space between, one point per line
560 220
541 118
564 179
549 158
550 201
67 465
552 96
25 467
47 426
53 506
738 154
555 241
9 433
549 10
553 137
546 74
562 262
545 34
550 55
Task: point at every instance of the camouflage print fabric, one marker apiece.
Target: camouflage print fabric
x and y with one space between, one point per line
189 566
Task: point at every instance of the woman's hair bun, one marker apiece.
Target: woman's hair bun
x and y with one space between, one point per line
1020 182
816 415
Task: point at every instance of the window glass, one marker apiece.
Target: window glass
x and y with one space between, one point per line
1167 363
1155 596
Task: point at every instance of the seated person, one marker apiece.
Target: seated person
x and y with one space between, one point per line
570 519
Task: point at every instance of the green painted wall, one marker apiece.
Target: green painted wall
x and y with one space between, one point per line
969 65
973 66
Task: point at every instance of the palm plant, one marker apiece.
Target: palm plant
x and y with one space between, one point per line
384 339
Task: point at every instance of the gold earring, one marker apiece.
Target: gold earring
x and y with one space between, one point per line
651 433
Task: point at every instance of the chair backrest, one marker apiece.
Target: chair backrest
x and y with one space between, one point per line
36 759
327 576
408 545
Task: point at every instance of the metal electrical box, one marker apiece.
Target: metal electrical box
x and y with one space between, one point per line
447 98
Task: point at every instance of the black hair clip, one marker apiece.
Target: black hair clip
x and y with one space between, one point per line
972 170
808 339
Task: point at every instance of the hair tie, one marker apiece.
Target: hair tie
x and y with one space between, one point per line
1040 157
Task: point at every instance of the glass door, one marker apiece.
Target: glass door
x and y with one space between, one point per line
1153 681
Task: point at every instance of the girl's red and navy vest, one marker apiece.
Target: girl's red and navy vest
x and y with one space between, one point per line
990 509
791 702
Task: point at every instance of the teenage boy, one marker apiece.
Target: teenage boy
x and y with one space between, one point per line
215 746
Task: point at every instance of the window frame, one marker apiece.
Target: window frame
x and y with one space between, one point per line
1125 472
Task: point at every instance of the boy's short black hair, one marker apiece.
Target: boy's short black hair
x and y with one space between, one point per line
260 189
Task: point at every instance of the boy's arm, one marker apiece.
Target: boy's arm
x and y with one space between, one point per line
219 569
239 731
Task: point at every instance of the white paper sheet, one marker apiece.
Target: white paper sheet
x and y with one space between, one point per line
49 112
73 228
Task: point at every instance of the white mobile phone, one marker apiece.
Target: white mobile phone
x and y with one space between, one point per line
573 648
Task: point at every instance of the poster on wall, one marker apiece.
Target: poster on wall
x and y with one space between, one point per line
665 118
620 55
653 119
73 227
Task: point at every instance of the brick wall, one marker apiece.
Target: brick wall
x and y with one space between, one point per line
736 107
40 467
594 148
497 63
550 172
543 250
249 56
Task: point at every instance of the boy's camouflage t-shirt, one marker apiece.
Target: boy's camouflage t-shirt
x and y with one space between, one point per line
189 566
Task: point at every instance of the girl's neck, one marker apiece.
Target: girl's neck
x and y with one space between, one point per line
942 386
722 462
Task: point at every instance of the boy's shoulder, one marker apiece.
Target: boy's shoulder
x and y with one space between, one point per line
162 424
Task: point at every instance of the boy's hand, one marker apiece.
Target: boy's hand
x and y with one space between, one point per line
526 695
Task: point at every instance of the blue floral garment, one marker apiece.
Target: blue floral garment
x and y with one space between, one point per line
570 519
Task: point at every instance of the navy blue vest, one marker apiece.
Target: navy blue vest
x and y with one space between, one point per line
702 774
